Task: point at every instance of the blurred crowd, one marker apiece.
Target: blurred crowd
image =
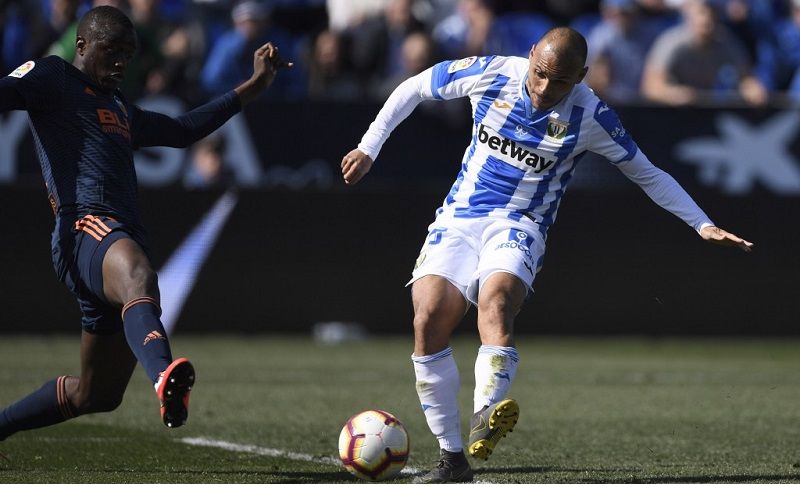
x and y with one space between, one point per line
676 52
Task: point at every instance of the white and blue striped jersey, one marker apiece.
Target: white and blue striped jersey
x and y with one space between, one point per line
520 161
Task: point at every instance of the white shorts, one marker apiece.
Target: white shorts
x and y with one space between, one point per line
466 251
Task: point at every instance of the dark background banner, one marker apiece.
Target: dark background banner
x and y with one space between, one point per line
615 262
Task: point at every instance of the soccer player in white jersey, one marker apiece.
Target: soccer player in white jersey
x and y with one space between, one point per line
533 122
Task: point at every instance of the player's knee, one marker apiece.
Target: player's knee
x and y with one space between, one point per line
141 280
499 303
425 317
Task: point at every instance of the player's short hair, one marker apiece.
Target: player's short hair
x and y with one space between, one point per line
102 21
568 42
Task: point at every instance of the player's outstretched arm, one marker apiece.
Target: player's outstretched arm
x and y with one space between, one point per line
355 165
266 62
718 236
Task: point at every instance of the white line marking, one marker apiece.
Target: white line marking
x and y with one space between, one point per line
269 452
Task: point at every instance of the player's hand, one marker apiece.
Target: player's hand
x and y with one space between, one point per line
355 165
718 236
266 62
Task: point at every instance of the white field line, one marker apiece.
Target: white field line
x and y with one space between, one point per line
269 452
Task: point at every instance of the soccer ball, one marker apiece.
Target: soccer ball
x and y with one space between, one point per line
373 445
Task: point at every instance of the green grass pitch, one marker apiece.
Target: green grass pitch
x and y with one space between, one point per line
598 410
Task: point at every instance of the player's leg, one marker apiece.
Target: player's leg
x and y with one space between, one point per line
506 271
500 299
438 309
129 281
445 266
107 364
106 367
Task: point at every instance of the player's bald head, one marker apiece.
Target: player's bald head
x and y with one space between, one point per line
565 43
104 22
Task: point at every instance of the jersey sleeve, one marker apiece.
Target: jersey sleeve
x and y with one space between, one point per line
608 137
155 129
445 80
456 78
34 86
664 190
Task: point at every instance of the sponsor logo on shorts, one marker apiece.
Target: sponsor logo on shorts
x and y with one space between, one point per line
518 240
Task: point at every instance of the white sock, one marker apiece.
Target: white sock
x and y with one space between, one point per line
437 387
495 368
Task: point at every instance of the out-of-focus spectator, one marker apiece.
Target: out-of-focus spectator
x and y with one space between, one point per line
515 32
779 55
207 169
564 11
376 44
183 51
231 58
18 21
328 79
416 56
346 14
144 72
60 15
464 33
752 21
618 48
699 61
794 87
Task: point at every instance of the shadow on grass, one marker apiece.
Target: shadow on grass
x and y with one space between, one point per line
282 476
683 479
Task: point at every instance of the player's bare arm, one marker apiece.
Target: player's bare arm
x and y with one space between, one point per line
266 62
718 236
355 165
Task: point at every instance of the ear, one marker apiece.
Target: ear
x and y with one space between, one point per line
80 45
582 74
530 56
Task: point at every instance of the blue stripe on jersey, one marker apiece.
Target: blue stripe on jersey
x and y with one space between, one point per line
489 96
573 132
608 119
440 76
496 184
539 126
570 140
549 216
451 196
518 117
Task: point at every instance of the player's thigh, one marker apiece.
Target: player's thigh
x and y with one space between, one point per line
439 307
500 298
437 300
127 273
94 236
